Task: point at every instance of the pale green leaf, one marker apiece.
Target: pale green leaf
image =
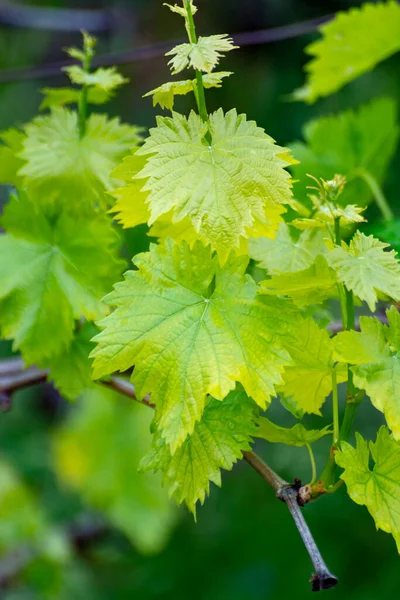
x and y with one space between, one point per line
377 488
165 94
285 253
175 8
348 143
203 56
61 167
216 443
104 79
357 348
365 267
97 453
308 380
375 352
10 163
297 435
193 328
51 273
229 189
310 286
55 97
353 43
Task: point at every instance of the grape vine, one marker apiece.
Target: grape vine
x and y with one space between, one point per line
231 307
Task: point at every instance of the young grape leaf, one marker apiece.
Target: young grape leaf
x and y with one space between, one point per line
368 345
365 267
165 94
229 188
107 80
297 435
193 328
181 10
61 166
378 488
375 352
56 97
97 453
350 143
10 163
353 43
327 213
285 253
308 380
204 55
216 443
52 271
310 286
71 370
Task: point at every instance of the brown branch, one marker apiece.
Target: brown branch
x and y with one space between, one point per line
293 496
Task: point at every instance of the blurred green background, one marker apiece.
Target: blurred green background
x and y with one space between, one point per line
118 538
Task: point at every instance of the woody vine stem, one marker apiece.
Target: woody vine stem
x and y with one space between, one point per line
13 377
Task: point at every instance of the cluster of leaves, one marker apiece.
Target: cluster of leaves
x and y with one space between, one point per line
191 324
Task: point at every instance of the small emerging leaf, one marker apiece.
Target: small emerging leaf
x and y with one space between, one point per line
104 79
203 56
365 267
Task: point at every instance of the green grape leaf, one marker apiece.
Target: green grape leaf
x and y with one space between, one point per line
236 185
165 94
62 167
97 454
378 488
365 267
203 56
349 143
375 352
308 380
51 273
310 286
353 43
192 328
216 443
358 348
71 370
10 163
285 253
56 97
297 435
107 80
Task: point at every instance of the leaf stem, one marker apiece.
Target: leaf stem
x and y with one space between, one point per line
199 95
83 97
313 465
377 192
335 406
338 236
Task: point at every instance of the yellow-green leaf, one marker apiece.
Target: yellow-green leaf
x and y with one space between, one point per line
377 488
